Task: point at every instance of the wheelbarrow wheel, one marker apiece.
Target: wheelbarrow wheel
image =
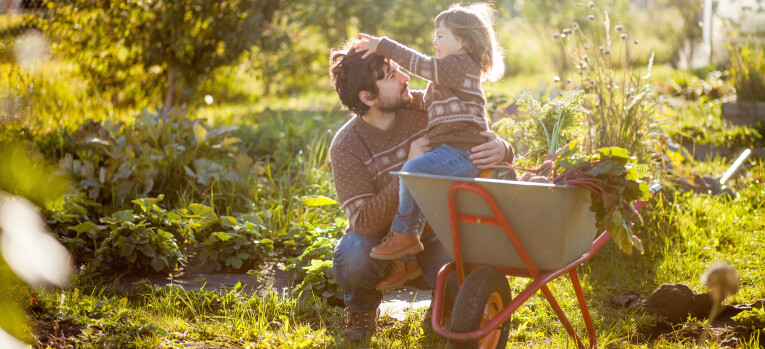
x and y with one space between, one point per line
484 293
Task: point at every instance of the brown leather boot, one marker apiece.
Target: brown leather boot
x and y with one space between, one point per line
360 326
394 246
398 273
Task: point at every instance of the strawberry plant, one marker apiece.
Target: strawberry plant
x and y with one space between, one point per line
314 268
236 244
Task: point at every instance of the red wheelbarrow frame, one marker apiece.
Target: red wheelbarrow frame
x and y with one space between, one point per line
541 278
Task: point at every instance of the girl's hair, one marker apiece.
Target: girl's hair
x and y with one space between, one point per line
474 25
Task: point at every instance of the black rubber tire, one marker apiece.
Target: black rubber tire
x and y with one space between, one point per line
471 301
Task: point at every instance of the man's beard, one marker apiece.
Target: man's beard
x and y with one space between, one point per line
391 105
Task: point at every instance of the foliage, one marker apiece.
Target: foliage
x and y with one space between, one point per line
314 270
752 319
236 244
114 162
145 48
133 242
747 71
612 179
546 127
621 101
691 87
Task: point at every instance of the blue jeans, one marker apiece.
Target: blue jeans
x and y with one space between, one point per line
443 160
357 273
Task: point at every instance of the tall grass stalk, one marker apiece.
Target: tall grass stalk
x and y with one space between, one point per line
621 105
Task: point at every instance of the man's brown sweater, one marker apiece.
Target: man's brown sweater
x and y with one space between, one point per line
362 158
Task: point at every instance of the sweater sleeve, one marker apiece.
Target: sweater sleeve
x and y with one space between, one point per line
456 71
368 212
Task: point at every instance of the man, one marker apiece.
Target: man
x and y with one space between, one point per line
384 132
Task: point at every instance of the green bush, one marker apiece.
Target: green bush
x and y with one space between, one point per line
314 270
620 98
159 154
748 72
547 127
236 244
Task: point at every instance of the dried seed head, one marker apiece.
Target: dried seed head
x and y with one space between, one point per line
562 36
623 36
590 18
721 278
637 42
575 25
585 58
592 4
619 28
556 36
556 79
568 81
607 52
567 31
601 49
586 46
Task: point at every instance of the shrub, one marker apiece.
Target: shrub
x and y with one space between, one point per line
314 269
236 244
620 101
547 127
748 72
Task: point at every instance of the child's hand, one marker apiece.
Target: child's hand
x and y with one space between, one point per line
418 147
368 44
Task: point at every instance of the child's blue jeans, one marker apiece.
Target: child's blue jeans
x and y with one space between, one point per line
443 160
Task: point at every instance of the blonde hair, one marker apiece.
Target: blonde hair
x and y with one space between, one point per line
474 26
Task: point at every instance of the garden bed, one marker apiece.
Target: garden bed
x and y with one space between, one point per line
744 113
703 152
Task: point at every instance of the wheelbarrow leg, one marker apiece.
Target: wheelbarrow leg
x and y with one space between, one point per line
561 316
583 305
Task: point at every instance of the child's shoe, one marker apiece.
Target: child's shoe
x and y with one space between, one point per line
394 246
399 273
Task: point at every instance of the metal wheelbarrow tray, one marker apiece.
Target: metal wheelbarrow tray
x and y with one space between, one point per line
533 230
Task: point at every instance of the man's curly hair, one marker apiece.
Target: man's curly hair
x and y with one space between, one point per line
350 74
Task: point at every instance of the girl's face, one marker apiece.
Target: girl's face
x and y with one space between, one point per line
446 43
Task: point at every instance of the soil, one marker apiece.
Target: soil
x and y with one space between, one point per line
272 278
674 304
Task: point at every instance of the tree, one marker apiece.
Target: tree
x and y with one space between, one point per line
138 49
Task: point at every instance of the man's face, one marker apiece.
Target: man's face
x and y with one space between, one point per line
393 89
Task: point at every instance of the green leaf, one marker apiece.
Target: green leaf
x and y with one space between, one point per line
203 211
317 200
158 263
127 249
229 222
235 262
200 133
88 227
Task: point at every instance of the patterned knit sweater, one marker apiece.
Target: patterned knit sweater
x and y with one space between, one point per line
454 97
362 158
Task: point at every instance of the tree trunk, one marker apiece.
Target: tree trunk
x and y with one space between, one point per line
170 94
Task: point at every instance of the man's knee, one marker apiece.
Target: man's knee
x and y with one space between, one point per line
352 262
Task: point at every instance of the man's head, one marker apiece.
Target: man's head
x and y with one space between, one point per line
362 84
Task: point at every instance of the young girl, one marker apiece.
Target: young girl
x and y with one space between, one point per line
467 53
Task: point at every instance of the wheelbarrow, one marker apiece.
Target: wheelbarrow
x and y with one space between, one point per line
497 228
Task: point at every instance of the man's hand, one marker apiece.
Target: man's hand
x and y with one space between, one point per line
418 147
368 44
489 154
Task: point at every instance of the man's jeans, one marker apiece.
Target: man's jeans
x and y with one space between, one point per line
357 273
443 160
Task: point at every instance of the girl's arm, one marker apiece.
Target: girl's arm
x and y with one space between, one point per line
458 71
